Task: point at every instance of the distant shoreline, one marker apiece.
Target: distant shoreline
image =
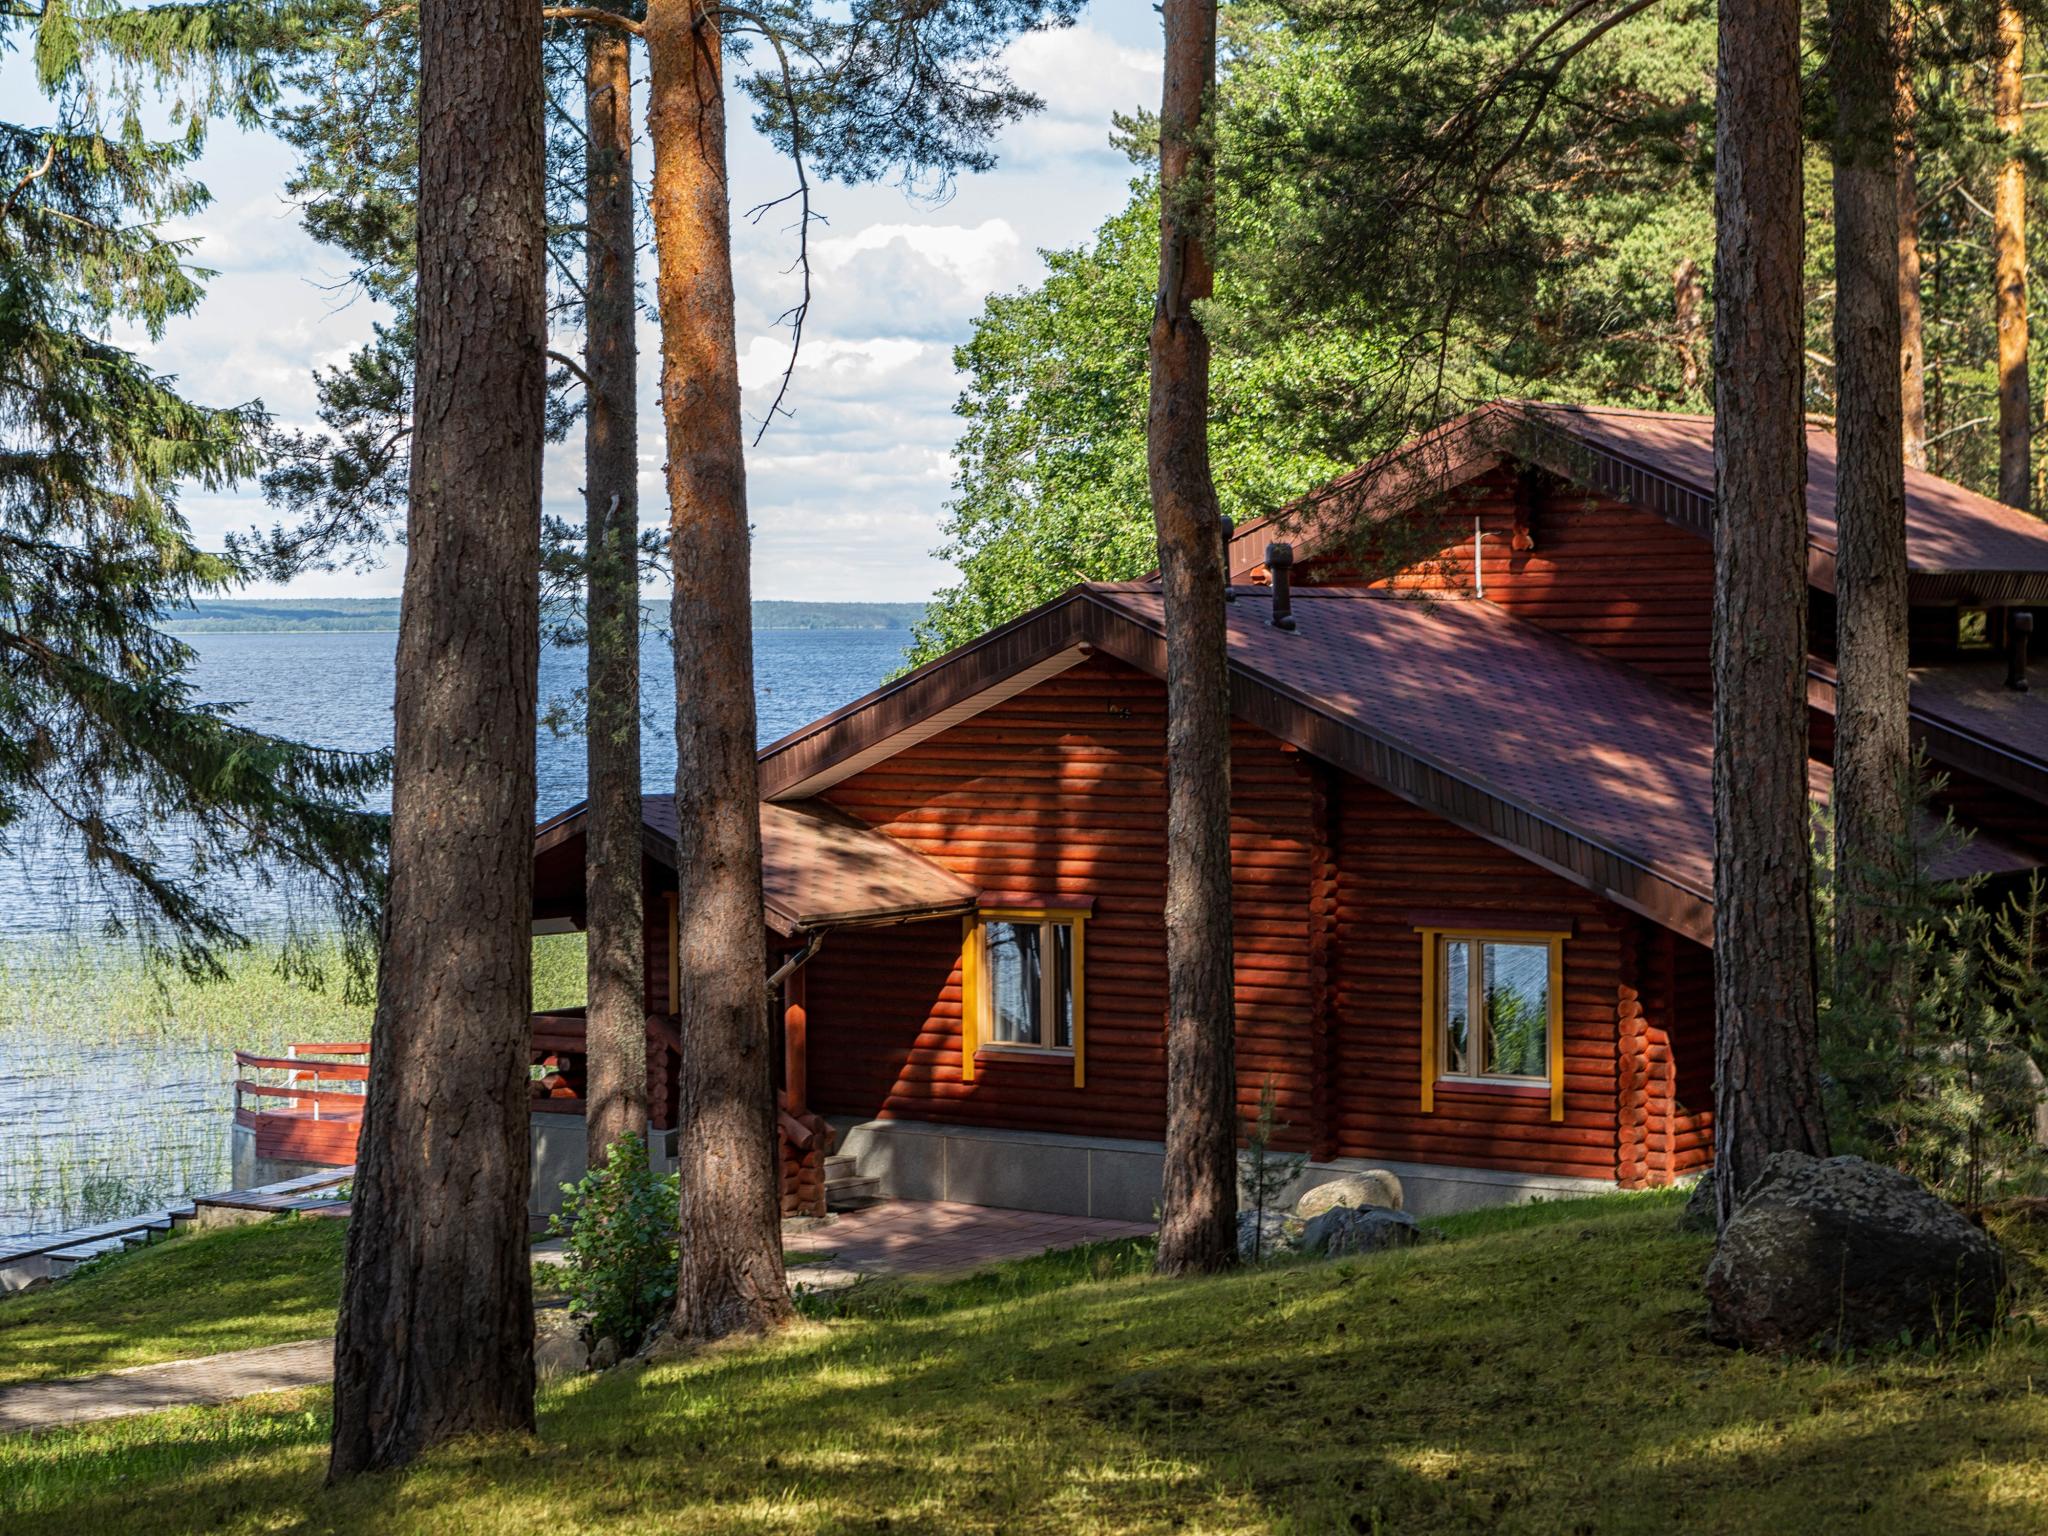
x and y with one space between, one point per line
379 615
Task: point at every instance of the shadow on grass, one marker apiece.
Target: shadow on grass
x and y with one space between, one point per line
1555 1377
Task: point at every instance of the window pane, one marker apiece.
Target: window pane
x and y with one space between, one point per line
1457 1007
1517 1010
1063 984
1013 982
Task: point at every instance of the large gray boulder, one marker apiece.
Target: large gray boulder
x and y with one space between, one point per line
1375 1186
1838 1253
1346 1229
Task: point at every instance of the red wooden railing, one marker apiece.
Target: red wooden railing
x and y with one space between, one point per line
308 1107
295 1119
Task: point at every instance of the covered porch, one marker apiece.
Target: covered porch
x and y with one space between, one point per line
822 871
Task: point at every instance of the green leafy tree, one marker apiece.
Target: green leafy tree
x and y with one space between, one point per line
1355 299
171 802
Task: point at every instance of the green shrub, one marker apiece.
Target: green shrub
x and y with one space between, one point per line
622 1230
1930 1042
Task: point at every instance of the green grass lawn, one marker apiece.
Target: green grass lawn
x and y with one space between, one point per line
193 1293
1544 1371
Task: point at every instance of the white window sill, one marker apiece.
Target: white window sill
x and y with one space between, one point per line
1005 1048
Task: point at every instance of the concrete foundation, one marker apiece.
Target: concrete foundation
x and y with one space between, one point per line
557 1144
1120 1180
248 1171
560 1145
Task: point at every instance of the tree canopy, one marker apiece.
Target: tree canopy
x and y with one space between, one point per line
103 743
1420 206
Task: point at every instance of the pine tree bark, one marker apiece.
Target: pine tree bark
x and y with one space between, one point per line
435 1336
2009 259
1767 1095
1873 753
1198 1215
1912 325
730 1279
616 1016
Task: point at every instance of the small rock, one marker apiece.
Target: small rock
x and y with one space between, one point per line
1278 1233
605 1355
1345 1229
1838 1254
1699 1214
559 1348
1375 1187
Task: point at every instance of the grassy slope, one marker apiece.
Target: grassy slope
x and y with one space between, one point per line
1544 1373
195 1293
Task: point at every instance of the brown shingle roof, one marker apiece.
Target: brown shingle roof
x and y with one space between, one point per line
1590 743
820 868
1582 764
1958 544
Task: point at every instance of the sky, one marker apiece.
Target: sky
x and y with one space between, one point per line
847 493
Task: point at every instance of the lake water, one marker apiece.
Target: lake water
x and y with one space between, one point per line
119 1101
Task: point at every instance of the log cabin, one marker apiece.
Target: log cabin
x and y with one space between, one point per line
1471 834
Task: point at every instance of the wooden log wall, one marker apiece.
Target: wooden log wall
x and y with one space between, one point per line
1610 575
1394 860
1664 1014
1062 790
803 1168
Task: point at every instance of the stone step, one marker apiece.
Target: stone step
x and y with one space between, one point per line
840 1166
851 1193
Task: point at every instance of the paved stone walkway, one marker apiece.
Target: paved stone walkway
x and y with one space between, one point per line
146 1388
921 1237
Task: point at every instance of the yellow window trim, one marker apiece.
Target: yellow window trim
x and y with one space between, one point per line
1432 1025
970 979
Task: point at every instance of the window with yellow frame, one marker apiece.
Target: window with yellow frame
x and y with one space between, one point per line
1023 984
1493 1011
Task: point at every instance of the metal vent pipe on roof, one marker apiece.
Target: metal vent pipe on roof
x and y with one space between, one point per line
1280 563
1229 530
2021 628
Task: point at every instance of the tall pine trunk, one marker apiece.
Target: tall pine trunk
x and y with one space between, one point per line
730 1277
1767 1095
1912 325
436 1330
1873 755
1198 1217
616 1018
2009 259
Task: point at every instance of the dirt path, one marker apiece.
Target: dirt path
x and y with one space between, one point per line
147 1388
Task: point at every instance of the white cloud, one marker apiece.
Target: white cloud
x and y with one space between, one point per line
846 492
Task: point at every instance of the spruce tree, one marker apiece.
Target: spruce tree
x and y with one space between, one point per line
173 804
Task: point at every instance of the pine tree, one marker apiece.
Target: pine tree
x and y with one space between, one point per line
853 95
1873 753
1198 1212
435 1337
1766 1070
172 803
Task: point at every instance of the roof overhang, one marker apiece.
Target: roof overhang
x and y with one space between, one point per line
820 868
958 686
1065 630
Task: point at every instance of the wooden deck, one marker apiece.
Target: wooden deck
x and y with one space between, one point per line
50 1255
306 1106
